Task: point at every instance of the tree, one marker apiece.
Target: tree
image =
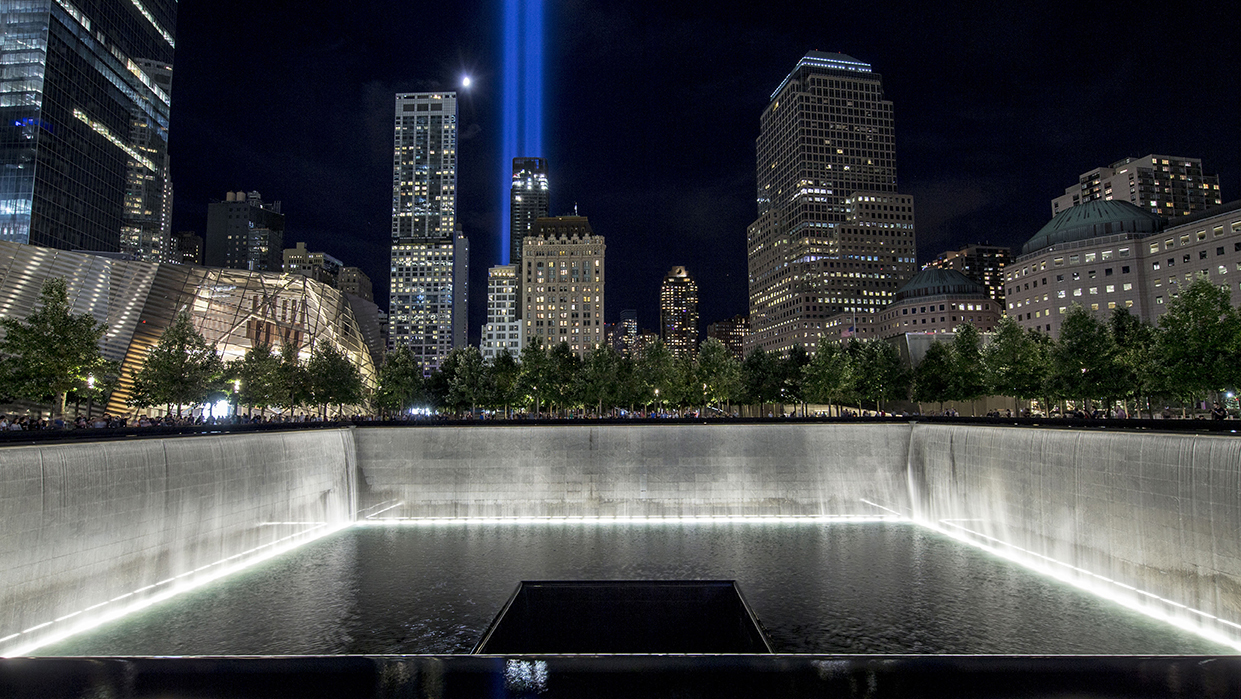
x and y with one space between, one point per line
1082 363
933 375
562 377
1197 341
533 380
1137 366
829 374
790 373
333 379
718 371
506 380
291 379
599 377
968 377
882 375
257 376
182 369
52 351
658 371
1011 364
400 381
470 382
761 380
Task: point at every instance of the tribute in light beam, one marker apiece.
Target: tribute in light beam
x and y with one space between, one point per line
521 96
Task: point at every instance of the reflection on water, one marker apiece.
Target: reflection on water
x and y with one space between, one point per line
818 588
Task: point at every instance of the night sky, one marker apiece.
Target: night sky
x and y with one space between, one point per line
652 109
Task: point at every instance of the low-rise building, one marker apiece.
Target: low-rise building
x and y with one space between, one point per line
937 301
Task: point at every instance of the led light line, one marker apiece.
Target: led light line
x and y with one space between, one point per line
269 550
702 519
1007 553
376 514
887 509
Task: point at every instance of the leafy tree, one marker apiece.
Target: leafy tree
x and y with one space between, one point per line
506 381
469 383
562 377
882 375
969 381
400 381
1197 341
829 375
718 371
182 369
790 372
1011 363
1137 365
257 374
291 378
599 377
333 379
658 371
933 375
534 378
761 378
1082 358
52 351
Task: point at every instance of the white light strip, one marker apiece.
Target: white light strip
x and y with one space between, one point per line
875 504
151 19
268 550
1059 570
621 519
392 507
103 131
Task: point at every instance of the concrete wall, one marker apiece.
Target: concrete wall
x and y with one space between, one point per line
85 523
633 470
1158 512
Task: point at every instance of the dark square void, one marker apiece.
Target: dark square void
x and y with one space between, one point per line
625 616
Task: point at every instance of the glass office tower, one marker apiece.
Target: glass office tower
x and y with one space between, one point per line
84 104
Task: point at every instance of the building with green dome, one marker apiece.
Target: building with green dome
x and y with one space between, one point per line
1105 254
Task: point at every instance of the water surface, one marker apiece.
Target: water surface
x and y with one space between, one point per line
817 588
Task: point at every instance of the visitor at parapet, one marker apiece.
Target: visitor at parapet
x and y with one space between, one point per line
1120 413
1218 412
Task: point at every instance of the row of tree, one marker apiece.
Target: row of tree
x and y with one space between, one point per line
1193 353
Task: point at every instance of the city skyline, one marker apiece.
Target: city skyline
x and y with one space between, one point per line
994 117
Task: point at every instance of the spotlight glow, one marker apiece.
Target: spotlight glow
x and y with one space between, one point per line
521 97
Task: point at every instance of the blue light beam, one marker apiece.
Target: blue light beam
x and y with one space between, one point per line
521 97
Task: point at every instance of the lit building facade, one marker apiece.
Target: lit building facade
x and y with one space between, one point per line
1107 254
353 280
732 333
678 312
245 232
627 333
563 283
430 285
84 101
319 266
832 236
937 301
189 248
430 255
504 329
528 202
983 263
233 309
1165 185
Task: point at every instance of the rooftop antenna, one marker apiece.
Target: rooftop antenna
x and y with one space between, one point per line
575 208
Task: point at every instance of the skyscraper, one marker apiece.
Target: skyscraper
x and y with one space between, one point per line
678 312
983 263
832 235
84 105
245 232
563 283
504 329
1165 185
430 256
528 199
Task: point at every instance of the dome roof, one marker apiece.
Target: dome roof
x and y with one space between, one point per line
1092 220
936 282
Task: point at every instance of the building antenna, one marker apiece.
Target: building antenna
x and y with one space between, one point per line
575 208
